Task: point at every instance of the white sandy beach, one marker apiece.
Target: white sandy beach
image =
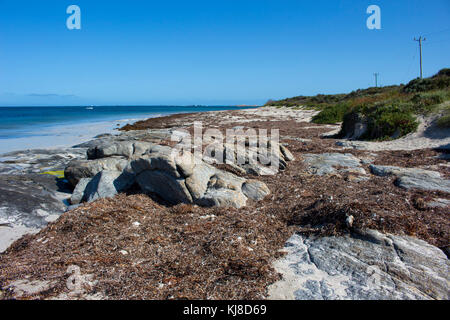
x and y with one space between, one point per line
65 135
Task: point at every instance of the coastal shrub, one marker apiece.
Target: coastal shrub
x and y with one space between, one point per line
424 103
387 122
438 82
332 114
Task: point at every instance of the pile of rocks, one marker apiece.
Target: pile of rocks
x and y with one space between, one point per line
174 175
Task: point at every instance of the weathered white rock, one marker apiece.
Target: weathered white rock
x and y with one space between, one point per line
365 265
408 178
325 163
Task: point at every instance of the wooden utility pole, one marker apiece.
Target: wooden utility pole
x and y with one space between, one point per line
420 40
376 78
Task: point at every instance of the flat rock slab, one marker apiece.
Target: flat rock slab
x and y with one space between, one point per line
417 178
327 163
364 265
39 160
27 203
28 199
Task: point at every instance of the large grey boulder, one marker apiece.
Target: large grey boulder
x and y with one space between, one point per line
163 158
364 265
223 190
78 169
165 185
408 178
106 184
206 186
197 182
174 175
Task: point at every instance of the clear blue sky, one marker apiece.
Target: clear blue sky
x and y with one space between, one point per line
211 52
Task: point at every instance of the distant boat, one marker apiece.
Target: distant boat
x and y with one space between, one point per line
89 108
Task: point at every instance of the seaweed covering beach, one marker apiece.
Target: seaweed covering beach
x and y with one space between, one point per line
136 246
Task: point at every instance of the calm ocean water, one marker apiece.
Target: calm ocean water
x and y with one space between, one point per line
21 122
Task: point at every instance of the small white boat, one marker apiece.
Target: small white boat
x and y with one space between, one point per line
89 108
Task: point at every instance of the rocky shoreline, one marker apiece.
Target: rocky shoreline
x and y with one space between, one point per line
335 223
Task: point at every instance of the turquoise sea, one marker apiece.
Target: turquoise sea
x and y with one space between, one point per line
43 127
28 121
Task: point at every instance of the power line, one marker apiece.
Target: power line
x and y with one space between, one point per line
405 78
439 41
436 32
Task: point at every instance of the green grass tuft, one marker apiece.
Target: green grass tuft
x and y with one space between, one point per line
332 114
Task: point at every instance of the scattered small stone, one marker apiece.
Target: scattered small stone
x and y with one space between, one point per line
349 221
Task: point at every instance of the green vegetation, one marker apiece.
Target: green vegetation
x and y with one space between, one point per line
332 114
389 112
438 82
385 122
